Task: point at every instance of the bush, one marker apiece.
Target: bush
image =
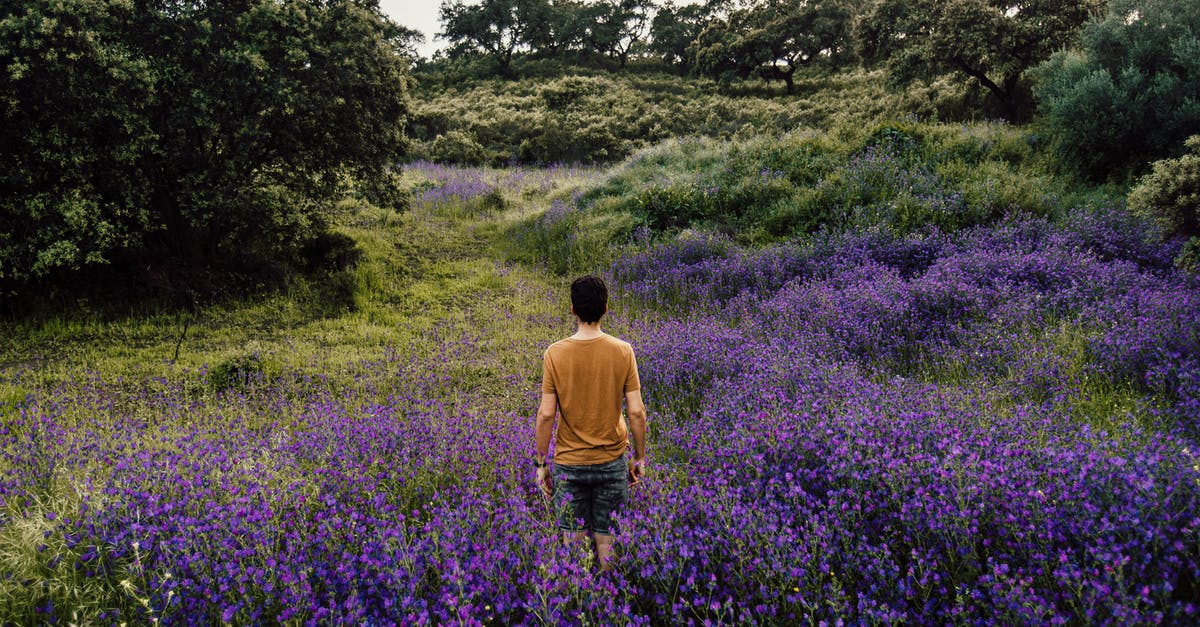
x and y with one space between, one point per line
384 188
459 147
1189 258
570 91
572 137
1128 96
568 240
238 372
902 175
591 116
1170 195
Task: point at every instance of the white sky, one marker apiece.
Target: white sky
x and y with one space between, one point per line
423 16
419 14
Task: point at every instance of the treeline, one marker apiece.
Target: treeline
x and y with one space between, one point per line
1112 88
1114 85
990 42
189 146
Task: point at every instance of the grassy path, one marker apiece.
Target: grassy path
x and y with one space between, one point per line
429 267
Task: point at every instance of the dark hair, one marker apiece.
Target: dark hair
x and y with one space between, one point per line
589 298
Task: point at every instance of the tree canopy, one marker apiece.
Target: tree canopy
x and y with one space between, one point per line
495 27
1131 93
773 39
993 42
185 134
674 28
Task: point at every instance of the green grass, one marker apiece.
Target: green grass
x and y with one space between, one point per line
1108 405
581 115
426 278
900 173
419 270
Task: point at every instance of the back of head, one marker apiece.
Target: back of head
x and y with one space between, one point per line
589 298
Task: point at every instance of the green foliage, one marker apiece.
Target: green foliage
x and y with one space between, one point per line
774 39
72 133
674 28
558 28
592 116
570 91
568 240
501 28
238 372
456 146
495 27
617 27
1131 95
1189 257
572 137
1170 195
993 42
903 175
186 136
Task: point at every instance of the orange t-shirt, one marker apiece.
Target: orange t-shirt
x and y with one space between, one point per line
590 378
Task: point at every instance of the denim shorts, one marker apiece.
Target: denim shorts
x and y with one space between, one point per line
585 497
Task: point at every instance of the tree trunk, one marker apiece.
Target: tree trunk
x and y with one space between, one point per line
1004 95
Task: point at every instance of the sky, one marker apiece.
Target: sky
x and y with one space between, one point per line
419 14
423 16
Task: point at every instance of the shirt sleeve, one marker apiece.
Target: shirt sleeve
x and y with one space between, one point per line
548 375
632 383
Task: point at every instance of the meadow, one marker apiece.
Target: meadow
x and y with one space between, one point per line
918 379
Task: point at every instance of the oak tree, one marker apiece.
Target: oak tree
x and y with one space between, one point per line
774 39
993 42
170 134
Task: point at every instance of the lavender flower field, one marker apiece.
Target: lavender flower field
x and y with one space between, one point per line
995 425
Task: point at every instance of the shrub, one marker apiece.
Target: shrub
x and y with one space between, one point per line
1128 96
1189 257
902 175
571 91
596 117
459 147
383 189
238 372
572 137
1170 195
568 240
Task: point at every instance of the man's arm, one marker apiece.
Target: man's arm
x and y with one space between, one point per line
543 428
636 410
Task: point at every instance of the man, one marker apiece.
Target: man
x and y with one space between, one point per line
584 379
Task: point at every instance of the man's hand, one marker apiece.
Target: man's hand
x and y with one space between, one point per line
545 480
636 469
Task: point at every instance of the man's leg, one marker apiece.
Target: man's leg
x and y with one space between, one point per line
572 503
610 495
571 537
604 550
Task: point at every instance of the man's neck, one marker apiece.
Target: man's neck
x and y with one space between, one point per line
588 331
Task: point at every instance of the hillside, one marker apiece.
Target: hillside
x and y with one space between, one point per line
987 422
912 289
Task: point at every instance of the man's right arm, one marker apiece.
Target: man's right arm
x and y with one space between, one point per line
635 409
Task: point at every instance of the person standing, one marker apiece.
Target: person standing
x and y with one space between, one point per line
585 379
